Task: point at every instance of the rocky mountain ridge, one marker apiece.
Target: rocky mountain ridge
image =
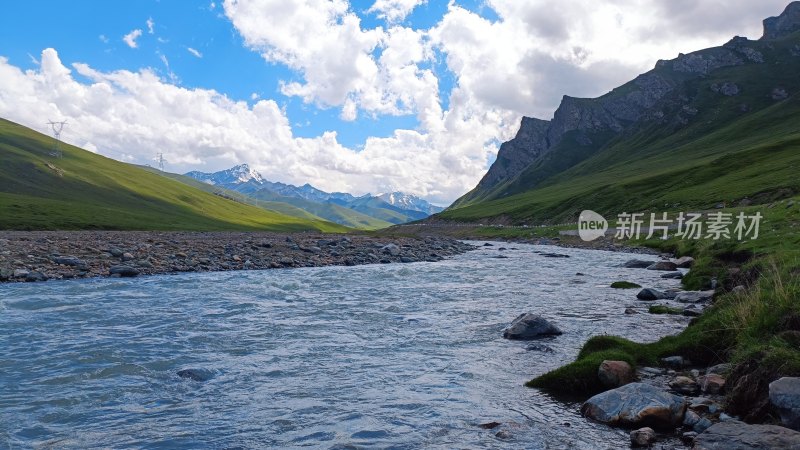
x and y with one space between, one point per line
583 125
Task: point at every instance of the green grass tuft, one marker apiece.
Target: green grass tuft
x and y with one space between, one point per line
624 285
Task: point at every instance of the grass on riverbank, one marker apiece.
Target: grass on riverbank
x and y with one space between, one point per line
757 329
624 285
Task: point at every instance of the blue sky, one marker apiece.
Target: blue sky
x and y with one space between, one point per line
226 65
355 96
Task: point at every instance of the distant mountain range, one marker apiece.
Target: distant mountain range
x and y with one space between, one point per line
367 211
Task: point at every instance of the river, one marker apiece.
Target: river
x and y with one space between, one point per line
381 356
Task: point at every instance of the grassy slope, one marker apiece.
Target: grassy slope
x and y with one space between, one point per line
329 211
83 190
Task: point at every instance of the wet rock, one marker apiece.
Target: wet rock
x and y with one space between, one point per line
735 435
489 425
539 348
685 262
613 374
650 294
638 264
684 385
196 374
20 273
673 275
675 362
530 326
123 271
663 265
692 311
407 259
688 437
643 437
694 296
631 311
635 405
784 394
34 276
554 255
488 245
720 369
712 384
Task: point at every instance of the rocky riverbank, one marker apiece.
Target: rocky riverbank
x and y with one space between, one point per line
47 255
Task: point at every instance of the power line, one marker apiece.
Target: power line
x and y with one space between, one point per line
57 127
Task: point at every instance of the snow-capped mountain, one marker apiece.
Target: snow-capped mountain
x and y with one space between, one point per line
409 202
235 175
394 207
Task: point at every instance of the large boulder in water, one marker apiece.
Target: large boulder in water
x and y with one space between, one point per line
650 294
638 264
530 326
636 405
735 435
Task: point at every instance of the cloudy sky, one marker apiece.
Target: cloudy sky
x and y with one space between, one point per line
357 96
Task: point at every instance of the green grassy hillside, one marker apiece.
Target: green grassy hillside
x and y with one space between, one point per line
83 190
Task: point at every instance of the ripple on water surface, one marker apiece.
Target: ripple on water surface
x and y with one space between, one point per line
401 356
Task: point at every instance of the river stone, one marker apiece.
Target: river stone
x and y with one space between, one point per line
784 394
33 276
123 271
195 374
684 385
663 265
735 435
635 405
643 437
68 261
676 362
685 262
711 384
613 374
21 273
638 264
391 249
720 369
673 275
115 252
529 326
694 296
650 294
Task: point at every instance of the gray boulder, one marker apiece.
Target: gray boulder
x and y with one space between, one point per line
784 394
68 261
673 275
638 264
663 265
123 271
391 249
636 405
684 262
650 294
735 435
694 296
530 326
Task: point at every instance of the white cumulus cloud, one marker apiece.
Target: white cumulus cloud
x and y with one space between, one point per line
131 37
394 10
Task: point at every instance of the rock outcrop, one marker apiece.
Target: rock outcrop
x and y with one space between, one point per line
784 394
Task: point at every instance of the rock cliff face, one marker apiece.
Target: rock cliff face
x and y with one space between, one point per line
783 25
650 96
515 155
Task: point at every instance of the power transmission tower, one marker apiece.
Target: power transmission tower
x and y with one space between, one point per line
57 127
160 159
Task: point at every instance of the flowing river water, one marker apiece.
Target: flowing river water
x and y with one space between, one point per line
380 356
